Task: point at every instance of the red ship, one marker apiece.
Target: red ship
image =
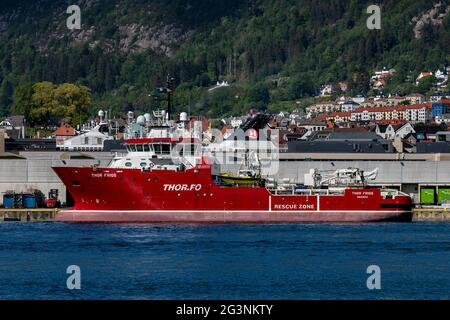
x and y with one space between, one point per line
174 193
130 195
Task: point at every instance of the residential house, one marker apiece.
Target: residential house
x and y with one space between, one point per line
234 122
423 75
443 119
379 102
414 113
322 107
379 84
409 143
359 99
395 101
338 117
64 132
349 106
441 76
297 115
327 90
438 96
392 131
383 74
311 127
415 98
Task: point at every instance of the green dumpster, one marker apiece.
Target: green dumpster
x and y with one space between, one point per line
427 195
443 194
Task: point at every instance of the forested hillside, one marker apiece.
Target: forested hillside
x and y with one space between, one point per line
271 52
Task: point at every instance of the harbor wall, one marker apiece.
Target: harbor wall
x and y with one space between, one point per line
34 172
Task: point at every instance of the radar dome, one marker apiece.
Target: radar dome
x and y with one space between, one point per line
101 113
147 117
183 116
140 120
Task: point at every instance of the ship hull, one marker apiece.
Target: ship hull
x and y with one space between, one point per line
109 216
191 196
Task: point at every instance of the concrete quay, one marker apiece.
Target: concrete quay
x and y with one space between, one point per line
431 214
27 215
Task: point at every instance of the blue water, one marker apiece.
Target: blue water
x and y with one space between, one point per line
287 261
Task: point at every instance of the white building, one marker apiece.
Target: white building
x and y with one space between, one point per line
90 141
311 127
327 90
349 106
415 98
444 118
323 107
390 132
415 113
442 76
359 99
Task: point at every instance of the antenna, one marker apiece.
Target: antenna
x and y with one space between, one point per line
169 91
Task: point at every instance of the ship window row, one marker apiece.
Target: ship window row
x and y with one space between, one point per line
130 164
162 148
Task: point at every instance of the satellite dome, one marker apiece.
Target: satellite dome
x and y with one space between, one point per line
101 113
140 120
183 116
147 117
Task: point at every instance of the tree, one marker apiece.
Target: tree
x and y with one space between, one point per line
300 87
72 103
6 91
22 100
425 85
51 104
43 102
259 94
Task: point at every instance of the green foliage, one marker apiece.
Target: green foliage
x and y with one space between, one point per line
45 103
299 44
22 103
425 85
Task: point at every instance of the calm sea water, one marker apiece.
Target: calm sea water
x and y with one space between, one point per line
280 261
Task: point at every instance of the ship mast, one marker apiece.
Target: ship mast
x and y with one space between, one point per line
168 90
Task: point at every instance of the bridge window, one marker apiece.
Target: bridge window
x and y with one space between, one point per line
146 148
165 148
162 148
139 148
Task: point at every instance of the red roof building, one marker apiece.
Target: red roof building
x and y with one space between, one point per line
65 130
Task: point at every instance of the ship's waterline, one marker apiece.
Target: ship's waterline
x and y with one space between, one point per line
185 216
